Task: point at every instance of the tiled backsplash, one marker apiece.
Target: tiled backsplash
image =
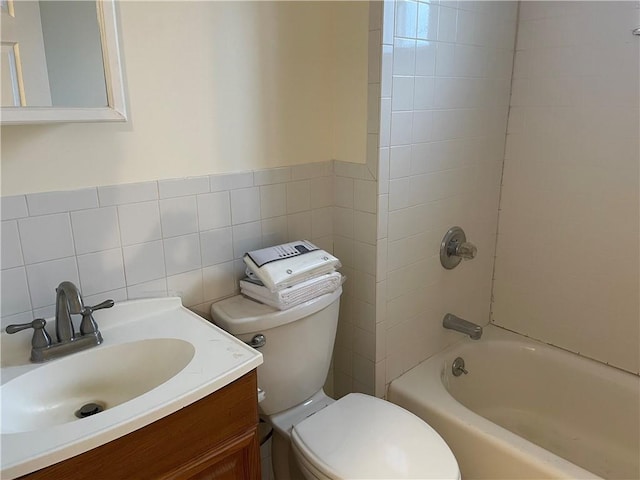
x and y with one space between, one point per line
182 237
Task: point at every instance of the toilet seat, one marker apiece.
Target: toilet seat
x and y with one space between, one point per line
360 436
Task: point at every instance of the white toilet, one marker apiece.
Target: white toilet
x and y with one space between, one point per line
316 437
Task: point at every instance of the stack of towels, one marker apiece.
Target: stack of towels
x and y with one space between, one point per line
290 274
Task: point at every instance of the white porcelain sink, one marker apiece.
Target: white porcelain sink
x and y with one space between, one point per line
156 358
51 395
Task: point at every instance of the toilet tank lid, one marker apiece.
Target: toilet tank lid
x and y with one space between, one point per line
360 436
240 315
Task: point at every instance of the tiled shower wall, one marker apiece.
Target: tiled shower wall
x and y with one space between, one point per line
183 237
445 86
567 266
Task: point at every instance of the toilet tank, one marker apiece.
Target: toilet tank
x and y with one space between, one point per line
298 348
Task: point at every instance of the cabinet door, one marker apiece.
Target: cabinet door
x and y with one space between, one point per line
238 459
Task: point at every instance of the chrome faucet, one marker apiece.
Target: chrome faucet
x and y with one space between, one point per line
458 324
68 302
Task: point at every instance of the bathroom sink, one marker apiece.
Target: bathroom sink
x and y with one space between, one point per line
107 377
157 357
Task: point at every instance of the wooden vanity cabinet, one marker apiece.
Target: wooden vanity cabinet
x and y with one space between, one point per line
213 438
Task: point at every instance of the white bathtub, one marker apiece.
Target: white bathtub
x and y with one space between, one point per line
527 410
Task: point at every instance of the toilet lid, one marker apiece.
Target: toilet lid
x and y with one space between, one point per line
360 436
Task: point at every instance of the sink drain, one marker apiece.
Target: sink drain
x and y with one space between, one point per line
89 409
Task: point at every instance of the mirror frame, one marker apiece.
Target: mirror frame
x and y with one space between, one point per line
115 111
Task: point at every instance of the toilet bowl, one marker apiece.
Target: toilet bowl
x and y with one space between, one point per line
316 437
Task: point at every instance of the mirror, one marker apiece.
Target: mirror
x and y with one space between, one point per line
66 67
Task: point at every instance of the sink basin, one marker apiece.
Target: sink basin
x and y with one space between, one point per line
108 377
157 357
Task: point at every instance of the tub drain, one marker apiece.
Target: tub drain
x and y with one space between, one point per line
89 409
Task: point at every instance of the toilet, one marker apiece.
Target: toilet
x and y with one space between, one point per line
316 437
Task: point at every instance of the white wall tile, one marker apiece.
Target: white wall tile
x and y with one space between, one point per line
14 207
343 222
231 181
245 205
95 229
10 245
182 254
298 196
187 286
321 222
101 272
423 97
178 216
128 193
214 210
271 176
447 18
365 227
404 56
56 202
118 295
343 192
273 200
219 281
400 161
152 289
406 18
139 222
46 238
402 93
144 262
321 192
45 277
15 292
386 72
385 122
425 58
216 246
246 237
274 231
401 126
298 226
422 126
183 186
427 28
373 108
365 196
388 21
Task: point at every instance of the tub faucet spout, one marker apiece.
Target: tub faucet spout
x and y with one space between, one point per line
458 324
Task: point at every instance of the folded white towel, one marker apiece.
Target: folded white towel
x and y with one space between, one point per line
291 271
288 297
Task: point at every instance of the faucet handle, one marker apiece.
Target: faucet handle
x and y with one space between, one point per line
88 324
40 339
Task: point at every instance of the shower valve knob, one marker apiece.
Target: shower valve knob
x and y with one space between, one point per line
454 248
466 250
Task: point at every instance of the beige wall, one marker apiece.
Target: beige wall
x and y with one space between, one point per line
567 265
213 87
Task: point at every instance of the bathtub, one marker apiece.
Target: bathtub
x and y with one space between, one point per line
527 410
